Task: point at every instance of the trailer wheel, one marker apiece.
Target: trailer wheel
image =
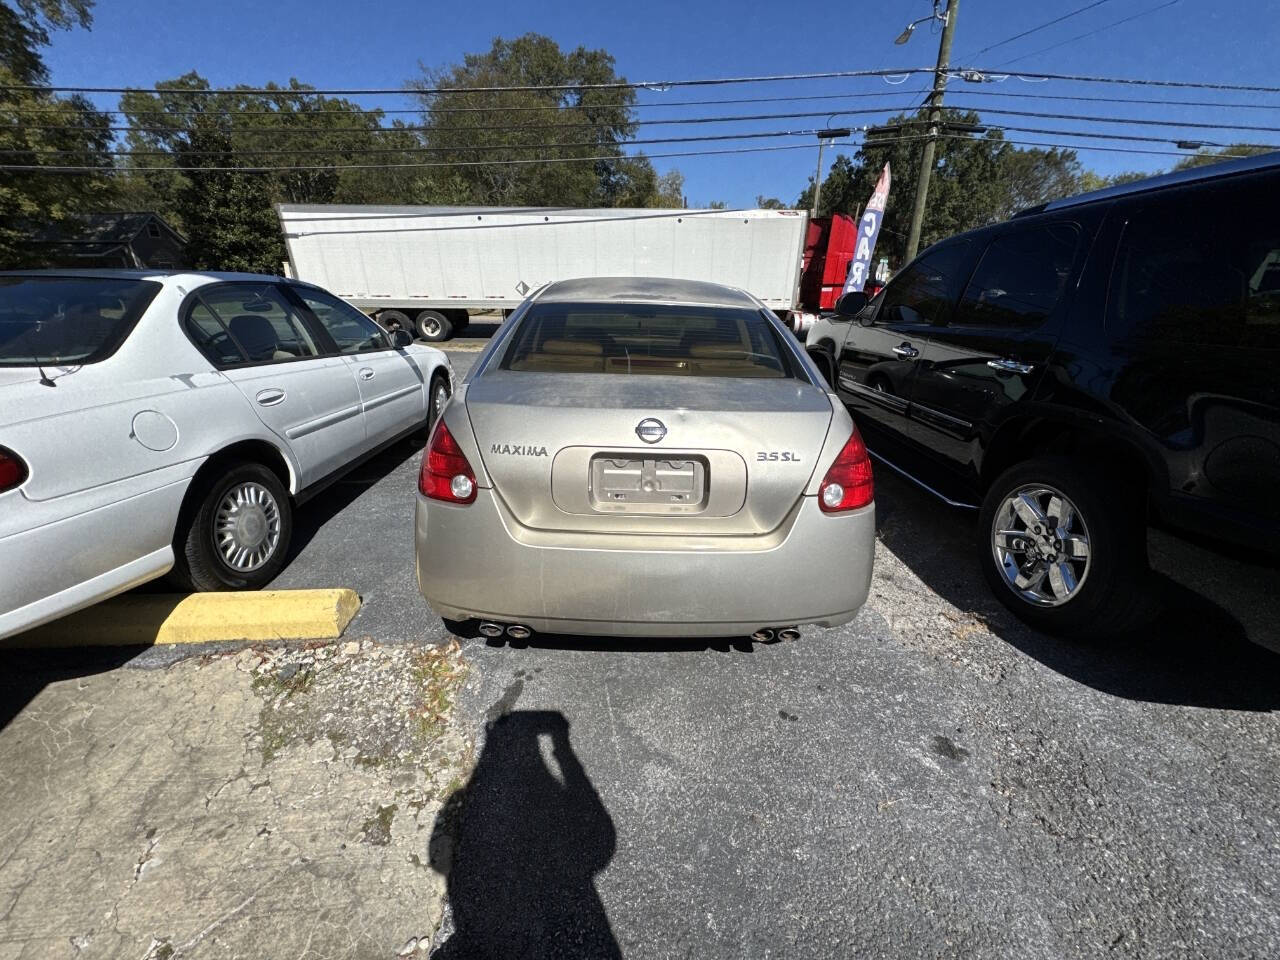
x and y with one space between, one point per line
394 320
433 326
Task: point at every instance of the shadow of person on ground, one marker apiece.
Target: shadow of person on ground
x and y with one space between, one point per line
1196 653
520 846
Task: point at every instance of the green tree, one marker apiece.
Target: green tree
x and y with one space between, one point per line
40 130
226 211
976 180
1207 155
670 192
769 203
472 126
1093 181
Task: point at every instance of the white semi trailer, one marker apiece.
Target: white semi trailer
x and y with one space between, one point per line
426 268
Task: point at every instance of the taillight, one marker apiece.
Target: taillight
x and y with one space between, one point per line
848 484
445 473
13 471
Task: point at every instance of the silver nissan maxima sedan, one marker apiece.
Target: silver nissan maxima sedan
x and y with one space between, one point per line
644 457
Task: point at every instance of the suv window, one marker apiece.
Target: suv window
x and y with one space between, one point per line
262 324
1201 267
351 330
924 291
1020 278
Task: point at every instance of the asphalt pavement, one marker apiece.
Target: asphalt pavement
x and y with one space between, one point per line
933 779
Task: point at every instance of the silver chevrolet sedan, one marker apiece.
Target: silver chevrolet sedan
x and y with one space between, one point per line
644 457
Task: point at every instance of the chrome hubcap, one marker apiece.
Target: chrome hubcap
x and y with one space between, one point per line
442 397
246 526
431 327
1041 545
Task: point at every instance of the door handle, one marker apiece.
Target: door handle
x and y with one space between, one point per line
366 373
1010 366
906 351
270 397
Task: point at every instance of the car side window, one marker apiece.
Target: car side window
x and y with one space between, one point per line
1200 268
260 321
1020 278
350 329
212 338
924 292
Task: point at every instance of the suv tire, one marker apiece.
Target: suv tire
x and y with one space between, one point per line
1091 582
250 505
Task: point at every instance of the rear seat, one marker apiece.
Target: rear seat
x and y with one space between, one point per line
564 356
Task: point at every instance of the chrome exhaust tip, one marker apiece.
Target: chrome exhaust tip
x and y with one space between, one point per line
762 636
789 633
519 631
490 629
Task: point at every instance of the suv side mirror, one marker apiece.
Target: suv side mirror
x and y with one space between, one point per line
851 303
400 338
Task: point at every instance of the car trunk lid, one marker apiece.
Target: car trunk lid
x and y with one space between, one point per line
563 452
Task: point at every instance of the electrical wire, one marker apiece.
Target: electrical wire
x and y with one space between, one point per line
733 118
1027 33
1091 33
658 85
878 141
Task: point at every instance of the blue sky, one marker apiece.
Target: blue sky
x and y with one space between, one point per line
338 43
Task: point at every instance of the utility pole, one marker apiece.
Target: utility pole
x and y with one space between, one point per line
817 180
935 114
830 135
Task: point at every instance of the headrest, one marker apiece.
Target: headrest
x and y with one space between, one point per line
572 348
256 334
717 352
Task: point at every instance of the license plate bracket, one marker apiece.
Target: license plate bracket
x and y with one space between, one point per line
624 483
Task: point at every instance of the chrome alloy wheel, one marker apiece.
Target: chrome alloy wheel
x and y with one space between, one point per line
1041 545
246 526
430 328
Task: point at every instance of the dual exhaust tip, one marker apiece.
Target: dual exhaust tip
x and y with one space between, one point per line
517 631
769 635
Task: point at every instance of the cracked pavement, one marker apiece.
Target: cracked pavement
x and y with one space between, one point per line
249 803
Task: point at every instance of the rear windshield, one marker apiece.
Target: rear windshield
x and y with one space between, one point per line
67 320
631 338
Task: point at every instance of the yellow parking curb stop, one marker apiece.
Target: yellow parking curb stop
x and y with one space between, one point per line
253 617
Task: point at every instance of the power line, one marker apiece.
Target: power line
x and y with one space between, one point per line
1091 33
733 118
1027 33
965 73
808 145
657 85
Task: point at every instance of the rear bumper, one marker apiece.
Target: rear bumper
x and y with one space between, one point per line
478 562
60 567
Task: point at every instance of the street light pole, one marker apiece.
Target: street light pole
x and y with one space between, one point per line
935 114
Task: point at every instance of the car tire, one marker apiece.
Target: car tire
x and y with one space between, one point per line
825 363
251 506
1101 587
432 326
438 393
395 320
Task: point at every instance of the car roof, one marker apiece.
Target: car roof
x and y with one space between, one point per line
113 273
1212 171
645 290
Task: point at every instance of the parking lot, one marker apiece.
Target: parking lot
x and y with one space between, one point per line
933 779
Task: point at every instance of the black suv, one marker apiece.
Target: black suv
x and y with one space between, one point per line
1091 365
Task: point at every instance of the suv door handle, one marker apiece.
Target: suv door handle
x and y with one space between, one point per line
270 397
366 373
906 351
1010 366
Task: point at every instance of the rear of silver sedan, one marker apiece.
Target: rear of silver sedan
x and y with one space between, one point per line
644 458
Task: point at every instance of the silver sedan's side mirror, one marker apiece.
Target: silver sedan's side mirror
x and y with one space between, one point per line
400 338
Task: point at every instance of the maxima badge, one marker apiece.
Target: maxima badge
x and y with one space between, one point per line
651 430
